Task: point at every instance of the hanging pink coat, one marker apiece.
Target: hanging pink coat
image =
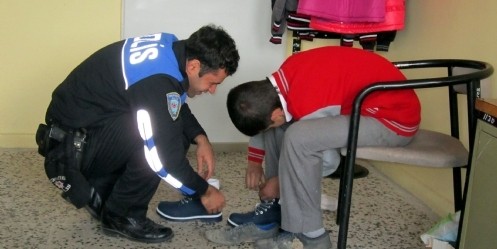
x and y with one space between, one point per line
394 20
347 11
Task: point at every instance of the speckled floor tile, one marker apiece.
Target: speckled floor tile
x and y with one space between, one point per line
35 216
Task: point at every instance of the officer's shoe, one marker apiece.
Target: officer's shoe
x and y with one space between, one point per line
94 206
141 230
187 209
266 212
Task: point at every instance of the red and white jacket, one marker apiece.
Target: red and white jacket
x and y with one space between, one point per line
324 81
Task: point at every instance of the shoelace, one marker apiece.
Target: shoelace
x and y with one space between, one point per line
262 207
186 200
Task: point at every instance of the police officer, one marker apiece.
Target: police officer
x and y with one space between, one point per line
124 107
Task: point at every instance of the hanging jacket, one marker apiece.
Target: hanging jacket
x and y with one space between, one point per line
347 11
394 20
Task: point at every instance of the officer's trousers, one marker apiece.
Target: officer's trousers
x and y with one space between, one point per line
115 165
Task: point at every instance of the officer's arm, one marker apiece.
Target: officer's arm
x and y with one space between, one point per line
162 128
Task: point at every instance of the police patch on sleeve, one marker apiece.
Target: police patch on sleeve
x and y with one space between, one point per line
173 104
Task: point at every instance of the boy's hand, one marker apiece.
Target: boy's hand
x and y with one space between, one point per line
254 175
270 189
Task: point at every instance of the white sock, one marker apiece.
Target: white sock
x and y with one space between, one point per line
315 234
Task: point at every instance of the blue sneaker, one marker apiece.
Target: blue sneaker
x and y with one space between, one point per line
187 209
266 212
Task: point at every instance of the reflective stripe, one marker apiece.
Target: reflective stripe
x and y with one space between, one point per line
151 154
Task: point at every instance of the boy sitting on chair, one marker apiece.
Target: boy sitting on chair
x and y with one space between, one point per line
298 114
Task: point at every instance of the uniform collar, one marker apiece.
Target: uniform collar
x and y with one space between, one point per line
179 49
288 116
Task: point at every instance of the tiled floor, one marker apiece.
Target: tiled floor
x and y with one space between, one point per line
33 215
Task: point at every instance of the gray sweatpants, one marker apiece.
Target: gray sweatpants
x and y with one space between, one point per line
297 151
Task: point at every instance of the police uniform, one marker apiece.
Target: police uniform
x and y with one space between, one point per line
129 98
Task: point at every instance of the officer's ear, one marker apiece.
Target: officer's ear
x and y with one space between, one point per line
192 67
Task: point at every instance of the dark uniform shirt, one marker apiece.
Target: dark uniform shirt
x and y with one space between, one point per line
96 91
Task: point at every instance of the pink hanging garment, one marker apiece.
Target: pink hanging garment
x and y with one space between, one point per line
348 11
394 20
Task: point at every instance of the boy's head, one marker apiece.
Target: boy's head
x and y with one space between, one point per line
252 107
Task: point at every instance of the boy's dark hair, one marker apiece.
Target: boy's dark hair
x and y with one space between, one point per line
251 104
214 48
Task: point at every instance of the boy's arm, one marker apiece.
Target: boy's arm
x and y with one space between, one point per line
254 175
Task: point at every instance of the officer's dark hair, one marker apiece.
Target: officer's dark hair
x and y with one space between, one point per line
214 48
251 104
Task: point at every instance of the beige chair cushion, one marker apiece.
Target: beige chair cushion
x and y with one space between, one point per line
428 148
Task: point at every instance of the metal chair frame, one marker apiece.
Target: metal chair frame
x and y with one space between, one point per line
472 82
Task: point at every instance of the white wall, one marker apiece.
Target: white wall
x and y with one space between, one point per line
248 22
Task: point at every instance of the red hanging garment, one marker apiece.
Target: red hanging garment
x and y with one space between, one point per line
348 11
394 20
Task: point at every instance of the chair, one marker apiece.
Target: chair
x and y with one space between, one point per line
428 148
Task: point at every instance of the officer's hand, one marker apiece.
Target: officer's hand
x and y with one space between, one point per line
213 200
254 175
205 156
270 189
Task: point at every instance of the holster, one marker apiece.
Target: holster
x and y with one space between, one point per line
63 150
47 137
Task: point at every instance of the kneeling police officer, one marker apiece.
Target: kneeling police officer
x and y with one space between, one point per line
119 123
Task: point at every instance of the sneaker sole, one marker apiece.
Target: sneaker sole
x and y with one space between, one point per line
231 223
204 218
115 233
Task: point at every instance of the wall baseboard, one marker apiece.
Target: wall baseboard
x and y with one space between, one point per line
28 142
18 141
432 186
